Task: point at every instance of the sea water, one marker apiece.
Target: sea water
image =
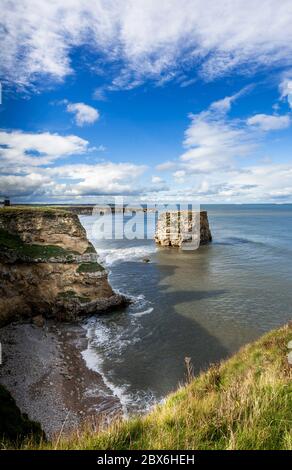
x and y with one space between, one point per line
202 304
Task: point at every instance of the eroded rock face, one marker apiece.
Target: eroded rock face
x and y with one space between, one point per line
179 228
48 267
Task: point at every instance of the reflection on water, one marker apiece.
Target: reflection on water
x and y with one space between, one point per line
204 304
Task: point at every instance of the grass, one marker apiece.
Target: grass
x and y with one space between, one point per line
68 294
71 294
91 267
31 208
90 248
242 403
44 252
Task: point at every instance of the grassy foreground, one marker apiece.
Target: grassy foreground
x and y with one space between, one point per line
242 403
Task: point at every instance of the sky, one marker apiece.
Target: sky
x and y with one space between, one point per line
155 101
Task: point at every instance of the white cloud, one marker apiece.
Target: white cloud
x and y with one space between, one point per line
83 113
214 167
224 105
145 39
179 176
286 90
213 143
101 178
251 184
265 183
23 149
156 180
165 166
267 122
75 180
25 185
26 168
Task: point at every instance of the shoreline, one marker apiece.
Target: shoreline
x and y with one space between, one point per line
43 369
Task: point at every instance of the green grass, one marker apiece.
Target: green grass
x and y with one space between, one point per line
43 209
242 403
68 294
91 267
90 248
44 252
71 294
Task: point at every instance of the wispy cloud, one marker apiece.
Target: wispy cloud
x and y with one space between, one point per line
216 164
213 141
269 122
144 39
166 166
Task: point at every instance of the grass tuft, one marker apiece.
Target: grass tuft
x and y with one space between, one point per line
91 267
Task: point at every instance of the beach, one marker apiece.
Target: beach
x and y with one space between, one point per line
44 370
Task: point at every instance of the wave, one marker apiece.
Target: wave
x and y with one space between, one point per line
121 255
145 312
103 343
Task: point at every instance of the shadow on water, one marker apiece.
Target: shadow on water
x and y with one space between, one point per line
156 361
206 304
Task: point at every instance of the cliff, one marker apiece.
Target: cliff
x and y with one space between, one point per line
48 267
175 228
15 425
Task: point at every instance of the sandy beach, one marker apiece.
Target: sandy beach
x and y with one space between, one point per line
43 369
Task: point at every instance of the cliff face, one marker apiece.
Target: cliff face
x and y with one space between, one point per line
14 425
174 228
48 267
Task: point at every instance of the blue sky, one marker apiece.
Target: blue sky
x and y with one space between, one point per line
176 101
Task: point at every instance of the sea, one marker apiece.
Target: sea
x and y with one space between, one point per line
203 304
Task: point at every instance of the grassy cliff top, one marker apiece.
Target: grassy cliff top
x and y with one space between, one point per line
242 403
36 209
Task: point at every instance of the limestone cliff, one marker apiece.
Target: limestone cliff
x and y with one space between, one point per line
48 267
176 228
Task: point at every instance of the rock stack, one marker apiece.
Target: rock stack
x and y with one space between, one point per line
185 229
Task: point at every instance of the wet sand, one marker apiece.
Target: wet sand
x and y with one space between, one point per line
43 369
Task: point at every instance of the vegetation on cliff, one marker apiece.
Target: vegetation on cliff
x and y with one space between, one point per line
90 267
242 403
45 256
14 243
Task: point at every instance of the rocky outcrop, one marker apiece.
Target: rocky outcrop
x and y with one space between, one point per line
48 267
181 228
14 425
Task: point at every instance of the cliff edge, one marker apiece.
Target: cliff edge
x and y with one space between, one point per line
49 267
243 403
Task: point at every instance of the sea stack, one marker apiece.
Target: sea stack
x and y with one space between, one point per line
48 267
178 228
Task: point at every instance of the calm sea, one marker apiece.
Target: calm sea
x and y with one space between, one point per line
202 304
